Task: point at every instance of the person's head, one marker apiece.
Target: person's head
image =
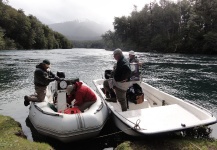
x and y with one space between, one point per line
46 64
117 54
70 89
131 54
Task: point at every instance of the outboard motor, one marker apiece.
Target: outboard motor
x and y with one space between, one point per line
61 74
108 74
61 92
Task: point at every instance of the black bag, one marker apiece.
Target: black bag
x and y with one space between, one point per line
135 94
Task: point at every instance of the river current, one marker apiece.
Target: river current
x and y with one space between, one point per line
190 77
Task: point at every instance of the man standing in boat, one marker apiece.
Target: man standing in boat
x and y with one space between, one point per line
119 82
135 65
132 57
42 77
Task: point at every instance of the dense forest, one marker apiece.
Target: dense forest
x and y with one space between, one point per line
185 26
99 44
18 31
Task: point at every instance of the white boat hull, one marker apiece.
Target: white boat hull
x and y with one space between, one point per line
153 117
67 127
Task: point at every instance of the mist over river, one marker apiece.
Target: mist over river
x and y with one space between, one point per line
191 77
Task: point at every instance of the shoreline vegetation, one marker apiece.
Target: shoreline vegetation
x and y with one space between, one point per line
18 31
185 26
12 137
173 144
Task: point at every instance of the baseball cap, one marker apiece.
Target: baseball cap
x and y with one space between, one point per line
46 61
131 52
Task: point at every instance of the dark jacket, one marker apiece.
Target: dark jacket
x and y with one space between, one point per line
122 71
81 95
42 77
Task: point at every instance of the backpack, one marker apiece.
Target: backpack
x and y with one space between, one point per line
135 94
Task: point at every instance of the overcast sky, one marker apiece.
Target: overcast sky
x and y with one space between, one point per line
55 11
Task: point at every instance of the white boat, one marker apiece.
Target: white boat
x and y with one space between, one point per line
158 113
66 127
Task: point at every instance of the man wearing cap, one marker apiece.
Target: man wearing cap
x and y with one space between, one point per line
84 97
135 65
121 76
42 77
132 57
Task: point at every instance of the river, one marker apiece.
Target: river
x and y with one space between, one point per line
191 77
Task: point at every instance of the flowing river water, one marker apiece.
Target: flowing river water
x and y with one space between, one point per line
190 77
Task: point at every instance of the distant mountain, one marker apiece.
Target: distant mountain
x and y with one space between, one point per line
80 30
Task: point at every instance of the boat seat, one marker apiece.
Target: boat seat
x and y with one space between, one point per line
133 106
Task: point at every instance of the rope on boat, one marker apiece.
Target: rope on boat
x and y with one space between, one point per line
136 125
113 133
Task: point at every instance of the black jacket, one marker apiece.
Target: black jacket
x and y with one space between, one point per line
122 71
42 77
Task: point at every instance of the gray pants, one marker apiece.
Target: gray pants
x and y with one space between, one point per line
120 94
106 85
40 94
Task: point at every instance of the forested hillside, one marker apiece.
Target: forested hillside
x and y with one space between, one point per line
188 26
18 31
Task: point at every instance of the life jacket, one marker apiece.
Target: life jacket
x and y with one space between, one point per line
73 110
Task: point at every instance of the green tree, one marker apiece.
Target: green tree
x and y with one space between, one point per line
2 41
27 32
111 40
188 26
210 43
